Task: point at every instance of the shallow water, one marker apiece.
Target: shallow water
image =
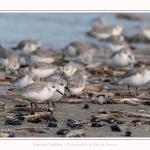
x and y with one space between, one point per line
56 29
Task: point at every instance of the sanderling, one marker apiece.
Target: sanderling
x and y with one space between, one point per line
41 55
61 84
84 57
70 69
121 58
75 83
145 30
98 22
25 78
8 59
24 48
116 43
42 69
136 77
75 48
106 32
37 92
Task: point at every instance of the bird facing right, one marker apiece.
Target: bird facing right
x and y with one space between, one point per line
121 58
25 47
37 92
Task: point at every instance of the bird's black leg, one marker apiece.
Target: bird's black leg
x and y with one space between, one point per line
136 91
53 104
48 104
49 109
35 105
32 112
129 89
73 97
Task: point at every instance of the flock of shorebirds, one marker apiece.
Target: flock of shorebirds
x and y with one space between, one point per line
32 84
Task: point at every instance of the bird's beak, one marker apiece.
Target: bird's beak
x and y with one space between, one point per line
59 92
67 88
62 74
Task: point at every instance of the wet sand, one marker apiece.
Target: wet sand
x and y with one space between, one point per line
66 111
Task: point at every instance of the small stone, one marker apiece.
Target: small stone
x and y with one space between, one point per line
128 133
115 127
86 106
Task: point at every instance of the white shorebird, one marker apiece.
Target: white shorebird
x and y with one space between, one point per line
8 59
61 84
136 77
24 48
74 48
75 84
40 55
84 57
25 78
42 69
70 69
37 92
98 22
121 58
116 43
145 30
106 32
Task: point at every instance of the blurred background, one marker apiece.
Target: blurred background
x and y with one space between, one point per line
56 30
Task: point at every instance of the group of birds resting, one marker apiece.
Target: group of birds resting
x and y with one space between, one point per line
33 82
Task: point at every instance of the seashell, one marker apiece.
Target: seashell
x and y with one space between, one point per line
119 122
70 121
62 131
76 125
13 121
21 105
49 118
136 120
35 120
102 111
138 123
148 122
52 124
100 125
50 110
90 94
128 133
96 124
20 118
101 100
109 102
146 103
9 134
110 120
86 106
95 119
31 113
19 114
115 127
27 114
106 80
75 133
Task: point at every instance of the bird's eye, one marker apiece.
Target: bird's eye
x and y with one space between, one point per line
61 84
53 86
